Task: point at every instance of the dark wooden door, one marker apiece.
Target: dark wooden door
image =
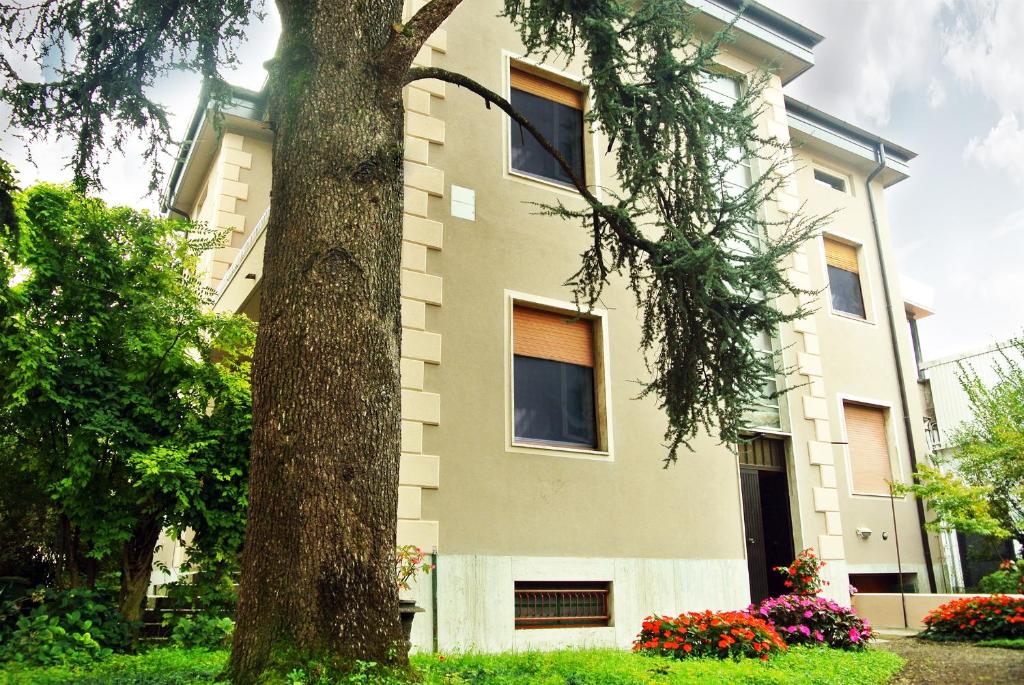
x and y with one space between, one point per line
753 523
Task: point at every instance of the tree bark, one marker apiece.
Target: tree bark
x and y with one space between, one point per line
318 576
136 567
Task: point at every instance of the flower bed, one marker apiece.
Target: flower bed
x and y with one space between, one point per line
730 634
800 619
976 618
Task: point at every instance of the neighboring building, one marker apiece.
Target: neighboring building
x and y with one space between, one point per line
527 464
968 558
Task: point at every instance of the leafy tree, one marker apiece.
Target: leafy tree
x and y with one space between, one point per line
980 487
699 254
123 399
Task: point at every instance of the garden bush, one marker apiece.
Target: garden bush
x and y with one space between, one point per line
976 618
1009 579
803 576
814 621
729 634
202 630
72 626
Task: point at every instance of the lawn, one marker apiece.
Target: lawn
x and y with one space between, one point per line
593 667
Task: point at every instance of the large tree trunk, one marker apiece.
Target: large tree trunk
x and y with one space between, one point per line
318 577
136 567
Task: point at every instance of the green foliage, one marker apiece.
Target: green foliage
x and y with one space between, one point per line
123 397
980 488
800 666
157 667
1008 579
99 60
1003 643
76 626
686 226
201 630
954 503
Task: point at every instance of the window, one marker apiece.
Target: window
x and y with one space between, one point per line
826 179
553 372
868 444
557 112
562 604
844 278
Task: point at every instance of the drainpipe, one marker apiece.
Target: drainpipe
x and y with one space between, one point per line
904 403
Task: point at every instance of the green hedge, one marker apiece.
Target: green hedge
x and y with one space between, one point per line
593 667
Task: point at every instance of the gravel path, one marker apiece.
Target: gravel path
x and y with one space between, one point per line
955 663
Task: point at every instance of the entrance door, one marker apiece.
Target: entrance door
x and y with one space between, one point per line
766 516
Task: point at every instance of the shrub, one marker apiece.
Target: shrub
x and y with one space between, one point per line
803 576
976 618
202 630
814 621
730 634
1009 579
72 626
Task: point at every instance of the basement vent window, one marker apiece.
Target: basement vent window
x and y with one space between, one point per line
562 604
826 179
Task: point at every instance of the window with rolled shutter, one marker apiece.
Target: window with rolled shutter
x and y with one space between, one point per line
557 112
553 377
868 443
844 278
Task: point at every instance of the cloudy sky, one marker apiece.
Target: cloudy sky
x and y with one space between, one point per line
942 77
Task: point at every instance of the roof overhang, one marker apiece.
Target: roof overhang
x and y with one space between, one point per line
762 32
242 112
859 148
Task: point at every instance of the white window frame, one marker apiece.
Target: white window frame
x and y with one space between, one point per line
600 317
866 285
835 173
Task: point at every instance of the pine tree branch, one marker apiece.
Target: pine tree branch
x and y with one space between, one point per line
409 37
625 230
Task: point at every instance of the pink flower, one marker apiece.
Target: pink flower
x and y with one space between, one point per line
819 636
808 613
854 635
804 629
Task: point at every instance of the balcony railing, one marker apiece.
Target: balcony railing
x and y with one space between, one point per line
243 252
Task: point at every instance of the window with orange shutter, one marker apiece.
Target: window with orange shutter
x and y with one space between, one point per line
553 378
844 278
868 443
557 112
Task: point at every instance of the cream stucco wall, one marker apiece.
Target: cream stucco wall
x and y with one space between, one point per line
494 511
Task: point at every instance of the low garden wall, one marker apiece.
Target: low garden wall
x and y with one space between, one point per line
884 609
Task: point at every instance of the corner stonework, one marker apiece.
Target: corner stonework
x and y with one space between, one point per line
813 406
420 290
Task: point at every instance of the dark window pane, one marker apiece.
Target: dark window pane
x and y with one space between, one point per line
554 402
846 293
560 124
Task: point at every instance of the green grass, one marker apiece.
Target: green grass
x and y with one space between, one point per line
1005 643
157 667
568 667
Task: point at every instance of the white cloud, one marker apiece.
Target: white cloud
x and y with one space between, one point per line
983 49
1012 223
936 93
1002 149
883 48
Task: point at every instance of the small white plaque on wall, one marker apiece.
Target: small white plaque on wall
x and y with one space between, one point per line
463 203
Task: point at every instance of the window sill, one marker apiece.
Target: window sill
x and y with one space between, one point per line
552 184
851 317
559 450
